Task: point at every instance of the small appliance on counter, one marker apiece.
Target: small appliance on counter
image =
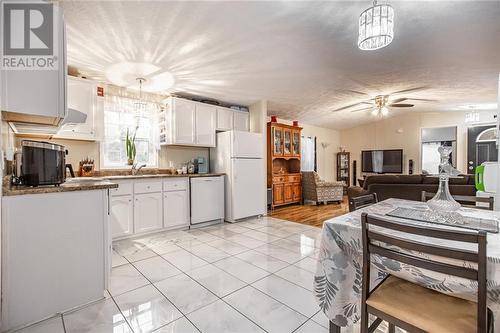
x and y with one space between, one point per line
201 165
43 163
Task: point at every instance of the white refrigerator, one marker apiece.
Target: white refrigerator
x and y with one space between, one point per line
240 156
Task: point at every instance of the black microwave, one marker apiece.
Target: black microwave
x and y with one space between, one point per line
43 163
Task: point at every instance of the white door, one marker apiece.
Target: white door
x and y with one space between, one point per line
207 199
247 145
247 188
82 96
148 212
240 121
184 122
224 119
205 125
175 209
122 216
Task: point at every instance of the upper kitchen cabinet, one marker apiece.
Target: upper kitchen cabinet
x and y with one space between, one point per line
240 121
38 96
189 123
224 119
82 96
205 125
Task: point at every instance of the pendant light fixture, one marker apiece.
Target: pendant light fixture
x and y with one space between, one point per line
140 106
376 27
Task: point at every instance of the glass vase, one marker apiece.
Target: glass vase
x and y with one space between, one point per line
443 201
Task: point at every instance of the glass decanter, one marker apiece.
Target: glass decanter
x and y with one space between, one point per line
443 201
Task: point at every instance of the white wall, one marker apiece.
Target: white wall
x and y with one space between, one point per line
404 132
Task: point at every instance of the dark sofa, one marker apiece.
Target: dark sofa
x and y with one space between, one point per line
409 187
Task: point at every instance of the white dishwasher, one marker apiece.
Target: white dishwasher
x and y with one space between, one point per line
207 199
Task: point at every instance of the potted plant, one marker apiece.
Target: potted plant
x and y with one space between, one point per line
130 146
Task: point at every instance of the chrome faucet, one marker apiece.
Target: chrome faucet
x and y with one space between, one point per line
135 170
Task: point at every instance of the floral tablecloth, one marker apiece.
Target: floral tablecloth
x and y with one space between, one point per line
337 282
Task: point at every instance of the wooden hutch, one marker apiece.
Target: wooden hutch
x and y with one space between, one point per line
283 163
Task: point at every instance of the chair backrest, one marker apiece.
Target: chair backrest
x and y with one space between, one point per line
363 201
464 200
376 241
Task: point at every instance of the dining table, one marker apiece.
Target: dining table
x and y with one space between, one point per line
337 281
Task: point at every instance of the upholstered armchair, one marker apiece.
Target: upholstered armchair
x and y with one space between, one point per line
317 190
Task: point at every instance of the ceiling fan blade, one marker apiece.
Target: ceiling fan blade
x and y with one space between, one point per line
363 109
409 90
401 105
422 99
353 92
399 100
347 107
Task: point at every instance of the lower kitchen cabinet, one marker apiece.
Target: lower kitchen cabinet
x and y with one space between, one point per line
278 194
297 192
122 216
288 192
175 209
148 212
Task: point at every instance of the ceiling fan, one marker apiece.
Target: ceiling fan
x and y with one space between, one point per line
380 104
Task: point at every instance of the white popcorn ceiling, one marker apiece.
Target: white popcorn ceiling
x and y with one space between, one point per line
300 56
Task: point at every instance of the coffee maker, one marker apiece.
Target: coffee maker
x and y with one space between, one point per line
202 164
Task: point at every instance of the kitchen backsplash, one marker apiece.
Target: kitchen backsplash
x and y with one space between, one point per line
79 150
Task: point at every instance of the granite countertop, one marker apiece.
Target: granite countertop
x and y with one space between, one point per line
86 185
159 175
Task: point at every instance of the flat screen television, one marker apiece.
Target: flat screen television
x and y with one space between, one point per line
382 161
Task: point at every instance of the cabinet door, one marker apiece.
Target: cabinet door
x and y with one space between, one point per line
82 96
240 121
277 136
287 142
297 191
278 194
205 125
175 209
122 216
148 212
296 143
224 119
184 122
288 192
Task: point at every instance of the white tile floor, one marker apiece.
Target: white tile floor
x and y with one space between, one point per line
254 276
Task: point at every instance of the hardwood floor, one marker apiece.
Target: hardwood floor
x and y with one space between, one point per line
311 214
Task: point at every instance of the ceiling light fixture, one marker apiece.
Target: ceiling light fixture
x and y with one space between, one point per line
376 27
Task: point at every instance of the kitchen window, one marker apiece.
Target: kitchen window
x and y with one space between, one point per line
138 116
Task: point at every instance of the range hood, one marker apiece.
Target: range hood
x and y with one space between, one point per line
30 127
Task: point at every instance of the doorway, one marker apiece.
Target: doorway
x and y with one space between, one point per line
481 146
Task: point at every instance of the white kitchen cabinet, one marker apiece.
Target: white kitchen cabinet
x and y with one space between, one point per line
205 124
175 209
58 263
82 96
148 212
224 119
122 216
183 115
37 96
241 121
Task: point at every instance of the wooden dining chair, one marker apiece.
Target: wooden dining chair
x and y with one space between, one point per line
363 201
410 306
464 200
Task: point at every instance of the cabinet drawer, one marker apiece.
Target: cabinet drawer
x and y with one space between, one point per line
175 184
124 188
293 179
147 187
278 179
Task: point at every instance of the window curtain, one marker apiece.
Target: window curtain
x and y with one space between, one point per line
308 154
140 117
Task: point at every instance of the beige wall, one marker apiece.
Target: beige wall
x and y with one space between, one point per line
326 158
179 155
404 132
